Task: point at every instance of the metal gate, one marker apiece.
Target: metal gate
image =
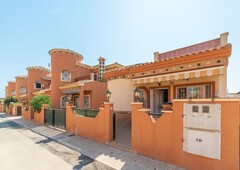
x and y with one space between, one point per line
55 117
114 125
19 110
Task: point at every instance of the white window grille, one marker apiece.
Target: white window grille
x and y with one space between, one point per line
22 90
65 76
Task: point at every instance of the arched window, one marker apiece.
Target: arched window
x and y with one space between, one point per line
64 99
22 90
65 75
143 97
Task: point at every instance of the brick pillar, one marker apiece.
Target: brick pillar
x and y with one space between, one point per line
70 126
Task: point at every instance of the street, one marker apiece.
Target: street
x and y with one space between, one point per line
23 149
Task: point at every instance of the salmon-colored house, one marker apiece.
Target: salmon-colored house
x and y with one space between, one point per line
71 79
197 71
10 89
21 87
179 114
37 80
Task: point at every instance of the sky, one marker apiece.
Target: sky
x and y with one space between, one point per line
126 31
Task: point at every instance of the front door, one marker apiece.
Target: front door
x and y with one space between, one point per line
76 101
158 97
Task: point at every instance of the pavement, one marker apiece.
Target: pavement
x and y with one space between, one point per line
113 157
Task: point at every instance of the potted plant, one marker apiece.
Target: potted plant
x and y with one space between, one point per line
26 107
167 106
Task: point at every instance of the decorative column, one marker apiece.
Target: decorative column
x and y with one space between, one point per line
101 68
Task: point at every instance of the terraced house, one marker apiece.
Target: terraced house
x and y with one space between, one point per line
196 71
78 82
199 130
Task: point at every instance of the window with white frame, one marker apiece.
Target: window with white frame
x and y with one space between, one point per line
65 76
86 101
13 93
198 91
38 85
22 90
64 99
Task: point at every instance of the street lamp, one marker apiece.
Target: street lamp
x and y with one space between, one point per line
136 94
108 95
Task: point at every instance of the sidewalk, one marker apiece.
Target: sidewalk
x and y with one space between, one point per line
106 154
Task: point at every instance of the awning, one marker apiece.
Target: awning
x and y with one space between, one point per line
180 75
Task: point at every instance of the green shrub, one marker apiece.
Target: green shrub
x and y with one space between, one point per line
9 101
39 100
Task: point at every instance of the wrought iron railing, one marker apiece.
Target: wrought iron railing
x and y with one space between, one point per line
86 112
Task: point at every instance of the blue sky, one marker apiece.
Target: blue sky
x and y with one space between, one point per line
126 31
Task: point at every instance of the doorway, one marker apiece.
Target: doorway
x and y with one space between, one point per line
157 98
76 101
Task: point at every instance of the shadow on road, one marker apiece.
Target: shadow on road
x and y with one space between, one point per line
83 161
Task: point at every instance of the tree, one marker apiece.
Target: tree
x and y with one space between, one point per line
9 100
39 100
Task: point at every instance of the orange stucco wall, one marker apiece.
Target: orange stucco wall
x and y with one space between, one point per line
163 139
26 114
99 128
9 110
11 86
20 82
1 108
63 61
14 110
35 75
97 91
39 117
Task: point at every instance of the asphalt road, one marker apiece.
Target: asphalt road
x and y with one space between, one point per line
23 149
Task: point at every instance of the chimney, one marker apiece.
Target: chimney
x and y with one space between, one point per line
224 38
101 68
156 54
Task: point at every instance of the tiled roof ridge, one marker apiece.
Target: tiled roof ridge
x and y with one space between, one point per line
67 51
21 76
12 81
147 63
38 68
214 42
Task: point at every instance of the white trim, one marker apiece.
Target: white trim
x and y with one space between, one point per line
36 87
61 105
70 76
22 91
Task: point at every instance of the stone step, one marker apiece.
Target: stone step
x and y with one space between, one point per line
121 147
